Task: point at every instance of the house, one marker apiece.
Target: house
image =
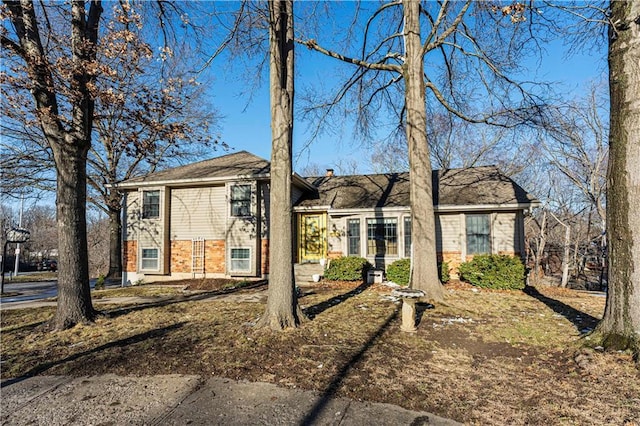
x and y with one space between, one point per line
211 218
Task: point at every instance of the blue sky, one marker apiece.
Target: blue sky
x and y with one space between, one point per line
246 126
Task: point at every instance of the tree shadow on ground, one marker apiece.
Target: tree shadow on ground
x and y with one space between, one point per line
581 320
420 308
335 384
32 326
114 313
312 311
151 334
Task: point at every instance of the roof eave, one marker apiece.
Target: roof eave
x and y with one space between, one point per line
437 208
188 182
302 182
485 207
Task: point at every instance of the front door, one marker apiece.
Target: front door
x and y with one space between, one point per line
312 238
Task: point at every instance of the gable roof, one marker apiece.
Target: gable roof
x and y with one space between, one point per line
478 186
240 164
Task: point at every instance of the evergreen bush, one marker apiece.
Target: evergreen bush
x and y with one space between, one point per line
399 271
349 268
99 283
443 269
494 271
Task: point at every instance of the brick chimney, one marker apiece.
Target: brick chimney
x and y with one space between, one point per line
329 173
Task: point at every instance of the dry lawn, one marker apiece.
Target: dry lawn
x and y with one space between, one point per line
483 357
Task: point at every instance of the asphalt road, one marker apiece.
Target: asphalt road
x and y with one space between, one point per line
37 290
29 291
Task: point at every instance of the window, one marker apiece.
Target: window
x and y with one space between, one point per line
240 260
241 200
353 237
150 204
407 237
149 259
382 237
478 234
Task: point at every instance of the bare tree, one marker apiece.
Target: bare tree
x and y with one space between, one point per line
98 229
620 326
282 309
150 111
456 143
576 146
467 51
66 122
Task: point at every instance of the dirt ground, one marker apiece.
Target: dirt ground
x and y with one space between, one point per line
481 357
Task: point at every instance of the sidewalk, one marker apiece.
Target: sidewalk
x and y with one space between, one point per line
181 400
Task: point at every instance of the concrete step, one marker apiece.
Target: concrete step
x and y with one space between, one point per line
304 272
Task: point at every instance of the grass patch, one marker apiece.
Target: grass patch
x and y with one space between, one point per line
137 291
483 357
32 277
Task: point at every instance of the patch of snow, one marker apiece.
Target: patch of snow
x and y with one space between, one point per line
458 320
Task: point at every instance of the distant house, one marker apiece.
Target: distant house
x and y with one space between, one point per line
211 218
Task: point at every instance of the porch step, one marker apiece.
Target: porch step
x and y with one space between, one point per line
304 272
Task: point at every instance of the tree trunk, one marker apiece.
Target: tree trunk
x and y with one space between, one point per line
542 242
115 236
74 294
565 256
424 260
282 305
69 146
620 326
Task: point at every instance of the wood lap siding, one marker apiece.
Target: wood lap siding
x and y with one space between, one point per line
448 233
131 220
505 239
198 212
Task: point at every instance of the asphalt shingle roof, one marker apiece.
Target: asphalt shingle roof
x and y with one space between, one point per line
470 186
460 187
240 163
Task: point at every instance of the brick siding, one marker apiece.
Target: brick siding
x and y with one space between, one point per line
334 254
264 257
214 256
130 256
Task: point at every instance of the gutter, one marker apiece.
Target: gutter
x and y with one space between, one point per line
205 181
438 208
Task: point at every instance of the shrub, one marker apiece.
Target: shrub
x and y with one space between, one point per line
99 283
443 270
399 271
494 271
347 269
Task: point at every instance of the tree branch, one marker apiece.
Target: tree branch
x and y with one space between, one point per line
311 44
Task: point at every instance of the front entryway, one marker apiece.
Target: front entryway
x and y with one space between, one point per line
312 236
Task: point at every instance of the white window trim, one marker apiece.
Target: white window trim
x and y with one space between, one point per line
247 271
491 218
251 198
404 233
386 255
348 238
157 269
160 203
